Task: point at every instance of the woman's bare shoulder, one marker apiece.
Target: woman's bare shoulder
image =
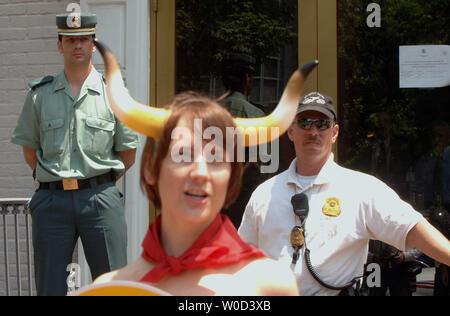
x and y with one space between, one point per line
133 272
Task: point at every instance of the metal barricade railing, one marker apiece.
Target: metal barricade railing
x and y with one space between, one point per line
16 209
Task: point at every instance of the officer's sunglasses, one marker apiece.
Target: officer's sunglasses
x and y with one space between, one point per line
321 124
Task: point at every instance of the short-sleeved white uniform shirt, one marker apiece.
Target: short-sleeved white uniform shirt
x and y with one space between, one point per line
346 210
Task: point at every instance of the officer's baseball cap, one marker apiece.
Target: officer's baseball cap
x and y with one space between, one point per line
74 24
241 62
316 101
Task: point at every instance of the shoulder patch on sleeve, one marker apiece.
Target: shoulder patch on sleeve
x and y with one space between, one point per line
40 82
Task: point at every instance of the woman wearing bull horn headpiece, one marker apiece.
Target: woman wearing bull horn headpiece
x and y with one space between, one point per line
191 249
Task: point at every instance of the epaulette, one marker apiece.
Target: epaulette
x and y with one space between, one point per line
40 82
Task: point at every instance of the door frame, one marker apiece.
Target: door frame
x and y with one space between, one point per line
317 40
317 29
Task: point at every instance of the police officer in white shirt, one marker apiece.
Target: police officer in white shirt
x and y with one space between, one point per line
345 209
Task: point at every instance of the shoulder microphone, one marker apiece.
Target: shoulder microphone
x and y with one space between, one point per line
300 205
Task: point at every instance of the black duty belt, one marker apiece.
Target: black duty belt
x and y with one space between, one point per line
78 184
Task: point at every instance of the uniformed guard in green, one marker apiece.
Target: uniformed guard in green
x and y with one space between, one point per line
237 76
77 150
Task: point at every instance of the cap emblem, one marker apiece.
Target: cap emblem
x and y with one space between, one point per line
76 22
314 99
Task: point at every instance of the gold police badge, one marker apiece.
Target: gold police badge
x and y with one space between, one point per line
332 207
297 238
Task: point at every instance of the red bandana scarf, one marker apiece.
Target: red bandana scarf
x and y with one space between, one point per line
217 246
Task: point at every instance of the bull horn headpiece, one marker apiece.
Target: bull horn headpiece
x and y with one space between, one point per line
149 120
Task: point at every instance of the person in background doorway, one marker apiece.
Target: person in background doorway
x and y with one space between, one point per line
398 268
433 183
238 71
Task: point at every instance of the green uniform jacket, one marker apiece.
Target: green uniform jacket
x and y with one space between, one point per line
238 105
75 138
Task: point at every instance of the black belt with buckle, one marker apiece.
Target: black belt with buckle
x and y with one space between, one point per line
78 184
